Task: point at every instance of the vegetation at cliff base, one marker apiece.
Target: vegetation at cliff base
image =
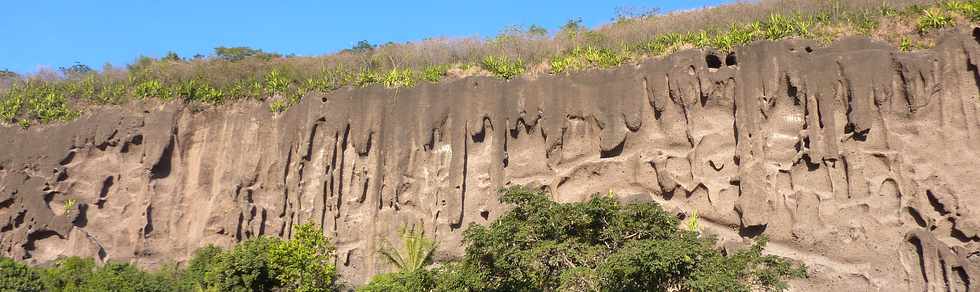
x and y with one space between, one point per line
596 245
237 73
303 263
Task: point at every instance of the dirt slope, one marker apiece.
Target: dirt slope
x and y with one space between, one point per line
860 161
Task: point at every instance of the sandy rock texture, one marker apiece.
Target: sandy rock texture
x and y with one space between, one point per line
858 160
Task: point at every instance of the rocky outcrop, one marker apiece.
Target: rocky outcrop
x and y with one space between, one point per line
858 160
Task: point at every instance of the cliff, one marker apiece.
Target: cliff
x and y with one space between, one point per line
856 159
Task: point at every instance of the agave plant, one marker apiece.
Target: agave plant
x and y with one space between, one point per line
416 251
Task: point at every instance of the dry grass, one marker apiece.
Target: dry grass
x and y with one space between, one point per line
215 80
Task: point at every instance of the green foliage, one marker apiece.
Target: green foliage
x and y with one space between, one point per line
416 251
76 70
68 274
582 58
906 45
398 78
420 280
305 262
597 245
243 268
503 67
9 107
172 57
276 82
194 278
148 89
779 27
125 277
435 73
50 106
15 276
933 18
235 54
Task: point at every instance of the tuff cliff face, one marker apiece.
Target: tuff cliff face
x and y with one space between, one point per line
860 161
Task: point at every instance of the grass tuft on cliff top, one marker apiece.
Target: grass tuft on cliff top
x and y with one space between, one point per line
241 73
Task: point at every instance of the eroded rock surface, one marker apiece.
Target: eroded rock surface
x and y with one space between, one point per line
860 161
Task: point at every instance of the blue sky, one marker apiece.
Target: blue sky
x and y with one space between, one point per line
55 33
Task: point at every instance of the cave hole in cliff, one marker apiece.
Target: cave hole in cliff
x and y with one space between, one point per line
752 231
936 203
731 60
82 219
485 214
161 168
964 279
613 152
917 217
39 235
920 255
808 49
976 34
713 61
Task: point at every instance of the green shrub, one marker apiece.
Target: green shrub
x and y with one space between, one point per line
194 277
9 107
933 18
434 73
276 82
125 277
68 274
399 78
148 89
305 262
15 276
243 268
49 107
503 67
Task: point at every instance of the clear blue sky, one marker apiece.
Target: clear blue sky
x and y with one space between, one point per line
56 33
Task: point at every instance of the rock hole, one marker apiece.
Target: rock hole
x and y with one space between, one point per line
323 99
936 204
976 34
615 151
731 60
752 231
68 158
963 277
162 167
917 217
808 49
713 61
485 214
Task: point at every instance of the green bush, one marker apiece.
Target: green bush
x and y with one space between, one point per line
597 245
399 78
152 88
305 262
51 106
503 67
435 73
932 19
10 107
15 276
125 277
243 268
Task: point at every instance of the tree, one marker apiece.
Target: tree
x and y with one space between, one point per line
7 74
15 276
78 69
305 262
235 54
